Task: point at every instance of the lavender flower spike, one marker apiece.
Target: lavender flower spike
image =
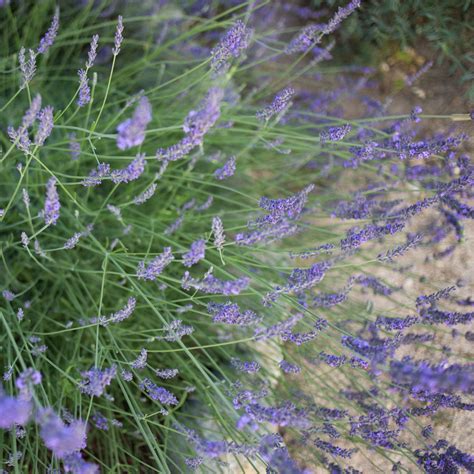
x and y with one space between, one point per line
92 51
156 266
52 204
227 170
231 45
27 67
118 36
84 89
61 439
45 125
280 102
132 172
218 231
131 132
195 254
14 411
48 39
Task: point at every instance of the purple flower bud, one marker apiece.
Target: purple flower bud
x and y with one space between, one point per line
251 367
334 134
229 313
32 113
196 253
94 381
27 67
74 147
280 102
140 362
123 313
212 285
48 39
289 368
15 411
166 373
92 54
51 204
145 195
96 176
232 44
131 132
84 89
118 36
156 266
61 439
45 125
132 172
157 393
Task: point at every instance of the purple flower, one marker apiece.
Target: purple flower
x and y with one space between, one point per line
229 313
196 253
166 373
74 147
96 176
132 172
8 295
332 449
231 45
332 360
300 338
60 438
45 125
198 122
218 231
48 39
174 226
92 54
288 207
341 14
118 36
157 393
334 134
75 464
25 382
20 138
32 113
244 366
400 249
84 89
15 411
280 102
375 284
145 195
156 266
289 368
212 285
131 132
100 421
267 233
441 378
175 330
51 204
27 67
308 37
94 381
300 279
74 240
227 170
140 362
121 314
286 414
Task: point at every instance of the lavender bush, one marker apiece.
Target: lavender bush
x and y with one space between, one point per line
200 244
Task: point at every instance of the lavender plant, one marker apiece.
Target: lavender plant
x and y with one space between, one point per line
200 246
